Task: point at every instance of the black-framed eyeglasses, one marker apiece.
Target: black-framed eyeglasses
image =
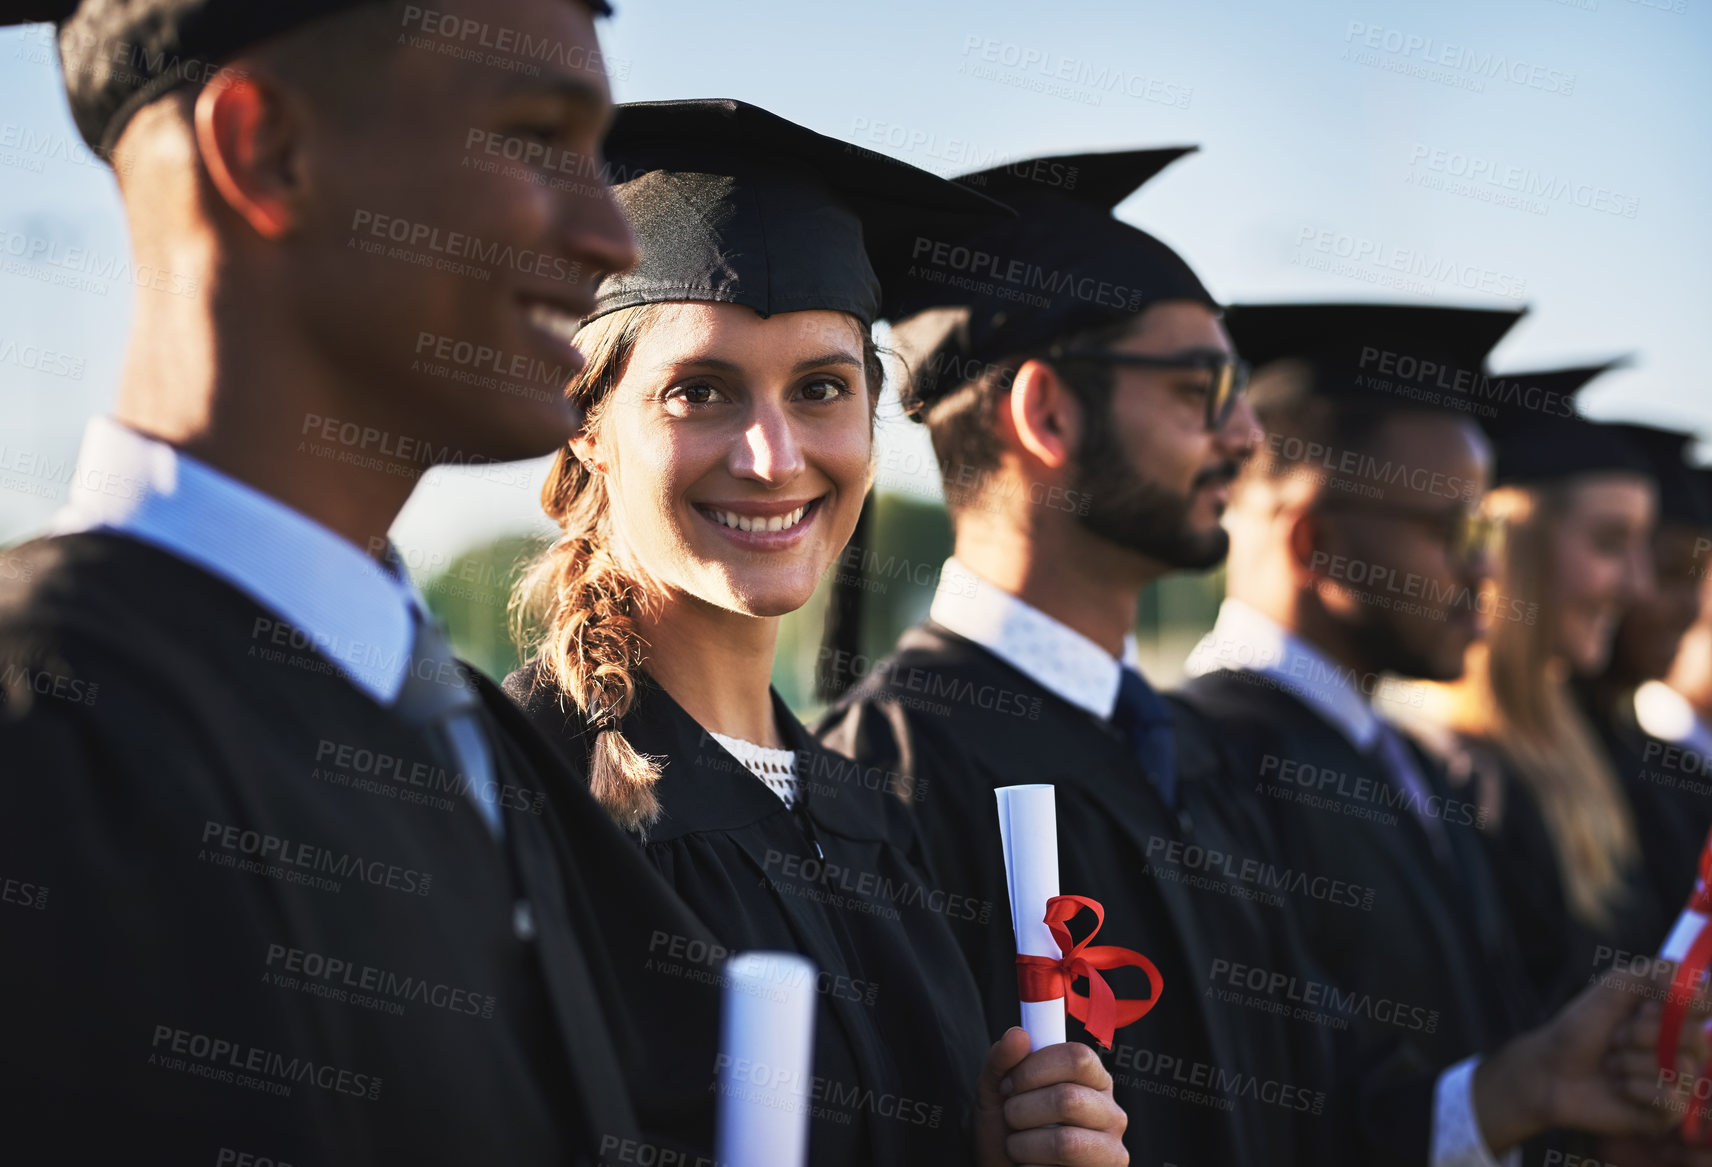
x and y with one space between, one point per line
1467 534
1229 373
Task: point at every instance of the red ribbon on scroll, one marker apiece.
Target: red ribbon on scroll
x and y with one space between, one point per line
1041 978
1683 986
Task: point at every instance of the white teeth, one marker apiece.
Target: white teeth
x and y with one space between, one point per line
556 321
758 523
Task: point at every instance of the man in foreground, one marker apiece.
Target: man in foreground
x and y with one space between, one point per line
301 883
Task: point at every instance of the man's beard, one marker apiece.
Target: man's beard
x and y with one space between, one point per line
1387 649
1143 516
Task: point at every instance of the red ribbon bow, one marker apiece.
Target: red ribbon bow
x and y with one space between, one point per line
1689 974
1044 978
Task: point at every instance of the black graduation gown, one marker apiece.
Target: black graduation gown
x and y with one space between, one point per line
1669 790
244 911
899 1042
1211 1075
1433 963
1562 953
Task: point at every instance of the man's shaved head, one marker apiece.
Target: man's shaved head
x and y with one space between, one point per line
353 204
337 63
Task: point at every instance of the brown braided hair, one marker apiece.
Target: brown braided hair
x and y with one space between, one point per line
585 599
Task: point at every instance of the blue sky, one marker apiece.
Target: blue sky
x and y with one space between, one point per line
1453 151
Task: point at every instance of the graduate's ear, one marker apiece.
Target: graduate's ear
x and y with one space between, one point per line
1044 414
586 449
1304 537
250 136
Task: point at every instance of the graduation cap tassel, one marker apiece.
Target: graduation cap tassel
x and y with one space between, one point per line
841 638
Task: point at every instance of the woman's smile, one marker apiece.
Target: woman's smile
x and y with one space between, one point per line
762 525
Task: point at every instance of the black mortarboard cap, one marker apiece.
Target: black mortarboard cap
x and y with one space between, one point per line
1064 265
35 11
736 205
1539 435
1403 356
1100 180
120 55
1682 496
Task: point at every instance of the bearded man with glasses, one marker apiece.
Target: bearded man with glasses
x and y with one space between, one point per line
1086 409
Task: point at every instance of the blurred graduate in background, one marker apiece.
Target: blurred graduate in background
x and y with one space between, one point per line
1359 548
1577 504
1641 705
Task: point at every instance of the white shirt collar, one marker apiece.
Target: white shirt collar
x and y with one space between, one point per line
1664 713
1056 657
355 611
1244 639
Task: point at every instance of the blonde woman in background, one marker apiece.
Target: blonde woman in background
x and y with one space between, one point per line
1577 506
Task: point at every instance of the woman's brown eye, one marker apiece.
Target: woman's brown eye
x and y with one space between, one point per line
694 394
823 390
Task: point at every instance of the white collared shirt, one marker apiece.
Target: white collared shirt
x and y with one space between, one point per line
1052 654
1245 639
355 611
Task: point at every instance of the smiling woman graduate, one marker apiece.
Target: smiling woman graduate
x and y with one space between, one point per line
1578 503
728 442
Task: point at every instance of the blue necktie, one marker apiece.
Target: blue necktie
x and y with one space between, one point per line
1145 722
441 703
1395 756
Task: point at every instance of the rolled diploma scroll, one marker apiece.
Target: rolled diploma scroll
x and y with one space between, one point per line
1028 827
1694 916
1682 937
766 1060
1677 948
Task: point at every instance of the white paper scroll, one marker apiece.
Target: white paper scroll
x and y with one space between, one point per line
766 1060
1028 825
1692 921
1682 937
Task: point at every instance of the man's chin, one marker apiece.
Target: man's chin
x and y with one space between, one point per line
1203 551
1169 536
1444 670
